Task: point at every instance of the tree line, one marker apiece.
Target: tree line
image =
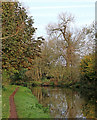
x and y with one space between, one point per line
65 57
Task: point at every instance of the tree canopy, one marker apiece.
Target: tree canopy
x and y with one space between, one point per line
19 45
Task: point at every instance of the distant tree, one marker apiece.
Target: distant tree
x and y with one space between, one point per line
64 32
87 40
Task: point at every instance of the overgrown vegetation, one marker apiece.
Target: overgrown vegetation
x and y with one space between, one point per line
88 72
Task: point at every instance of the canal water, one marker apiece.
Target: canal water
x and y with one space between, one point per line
64 102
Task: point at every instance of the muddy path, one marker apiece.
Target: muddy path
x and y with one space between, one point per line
13 113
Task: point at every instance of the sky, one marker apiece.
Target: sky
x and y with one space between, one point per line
47 11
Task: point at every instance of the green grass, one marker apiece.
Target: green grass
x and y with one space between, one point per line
27 105
6 92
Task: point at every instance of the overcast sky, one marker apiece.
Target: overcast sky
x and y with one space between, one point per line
47 11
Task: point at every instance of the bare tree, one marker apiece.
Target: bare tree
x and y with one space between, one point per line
63 31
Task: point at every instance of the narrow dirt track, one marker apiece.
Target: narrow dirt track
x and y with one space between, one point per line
13 113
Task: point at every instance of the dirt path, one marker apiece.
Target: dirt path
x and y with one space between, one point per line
13 113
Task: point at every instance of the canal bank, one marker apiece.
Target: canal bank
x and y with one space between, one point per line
27 105
48 102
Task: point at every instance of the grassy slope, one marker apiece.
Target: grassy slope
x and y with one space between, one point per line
6 92
27 105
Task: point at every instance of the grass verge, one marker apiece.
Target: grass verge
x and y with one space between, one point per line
27 105
6 92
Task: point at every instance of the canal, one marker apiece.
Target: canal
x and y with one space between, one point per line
64 102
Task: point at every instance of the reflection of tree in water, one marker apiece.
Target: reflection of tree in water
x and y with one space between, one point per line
62 102
37 91
40 93
89 106
74 104
89 110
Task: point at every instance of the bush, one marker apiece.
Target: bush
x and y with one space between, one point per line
4 88
52 83
87 69
5 77
36 83
18 77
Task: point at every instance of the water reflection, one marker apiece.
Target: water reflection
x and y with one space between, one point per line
64 103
